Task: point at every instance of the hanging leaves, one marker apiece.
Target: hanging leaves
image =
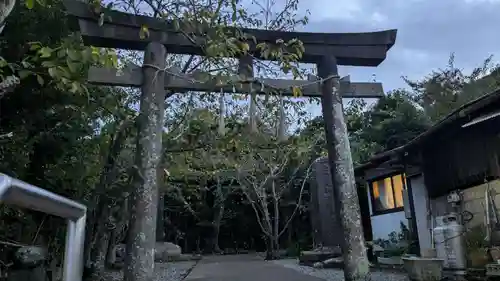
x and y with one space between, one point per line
64 66
245 47
234 16
296 91
40 80
45 52
24 73
101 19
29 4
144 32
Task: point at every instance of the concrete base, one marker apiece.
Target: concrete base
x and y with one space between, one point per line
423 269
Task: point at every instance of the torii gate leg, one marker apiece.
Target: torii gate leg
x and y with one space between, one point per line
356 264
139 263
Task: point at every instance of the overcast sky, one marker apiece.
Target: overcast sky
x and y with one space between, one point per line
428 31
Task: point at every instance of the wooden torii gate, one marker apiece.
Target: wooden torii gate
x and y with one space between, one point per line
325 50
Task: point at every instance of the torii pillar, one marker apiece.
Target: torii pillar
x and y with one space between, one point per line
356 264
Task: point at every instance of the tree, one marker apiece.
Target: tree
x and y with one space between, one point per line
392 121
198 158
52 119
265 179
446 89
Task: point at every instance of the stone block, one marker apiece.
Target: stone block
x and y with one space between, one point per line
319 255
166 250
330 263
30 256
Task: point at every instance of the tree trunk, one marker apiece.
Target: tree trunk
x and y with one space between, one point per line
272 248
120 223
276 227
111 254
219 206
276 251
290 230
139 262
109 174
92 232
186 244
356 265
268 227
100 249
269 248
216 228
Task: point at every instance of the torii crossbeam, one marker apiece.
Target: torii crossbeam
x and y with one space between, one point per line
179 82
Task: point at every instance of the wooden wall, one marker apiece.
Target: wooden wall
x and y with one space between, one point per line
461 157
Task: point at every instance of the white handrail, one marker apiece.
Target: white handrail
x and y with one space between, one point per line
21 194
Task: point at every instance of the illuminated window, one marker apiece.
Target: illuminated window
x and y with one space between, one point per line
387 194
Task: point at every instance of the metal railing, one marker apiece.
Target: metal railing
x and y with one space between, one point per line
21 194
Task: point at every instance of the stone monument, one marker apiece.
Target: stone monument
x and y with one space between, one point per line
327 223
327 232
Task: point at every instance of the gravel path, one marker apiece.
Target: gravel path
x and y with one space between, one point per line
172 271
332 274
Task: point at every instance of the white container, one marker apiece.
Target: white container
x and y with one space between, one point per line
423 269
449 241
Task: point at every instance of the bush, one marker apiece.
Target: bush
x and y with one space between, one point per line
293 250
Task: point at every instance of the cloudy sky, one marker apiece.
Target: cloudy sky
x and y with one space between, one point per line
428 31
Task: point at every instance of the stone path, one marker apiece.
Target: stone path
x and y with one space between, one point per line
243 268
254 268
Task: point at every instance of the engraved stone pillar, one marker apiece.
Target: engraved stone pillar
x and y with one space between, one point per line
325 221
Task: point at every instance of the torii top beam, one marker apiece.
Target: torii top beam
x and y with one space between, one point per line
122 32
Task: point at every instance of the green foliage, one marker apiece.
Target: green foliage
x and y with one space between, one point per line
392 121
475 238
54 139
446 89
293 250
59 59
397 244
395 251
